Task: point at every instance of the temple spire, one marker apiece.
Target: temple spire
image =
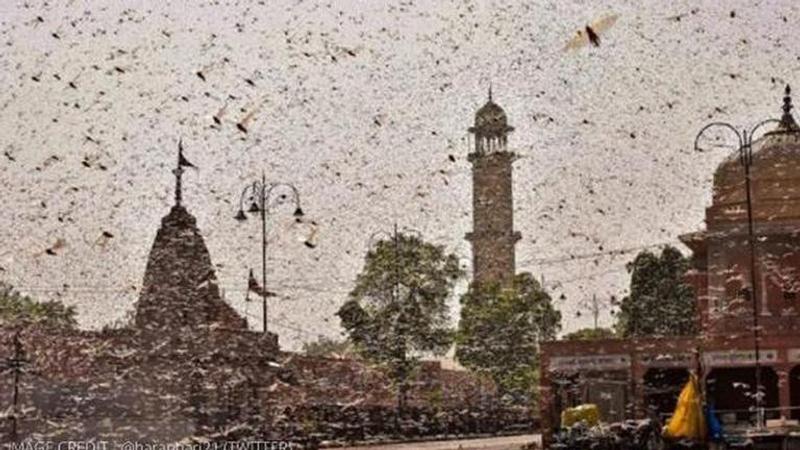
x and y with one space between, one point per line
178 171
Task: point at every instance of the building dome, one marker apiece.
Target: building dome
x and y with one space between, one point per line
491 115
774 175
491 120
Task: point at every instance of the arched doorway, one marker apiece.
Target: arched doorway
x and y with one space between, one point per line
794 392
662 388
730 391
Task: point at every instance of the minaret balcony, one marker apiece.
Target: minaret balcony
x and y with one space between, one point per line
472 236
501 154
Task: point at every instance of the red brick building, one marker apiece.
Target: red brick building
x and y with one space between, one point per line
638 377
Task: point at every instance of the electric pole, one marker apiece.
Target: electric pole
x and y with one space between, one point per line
15 364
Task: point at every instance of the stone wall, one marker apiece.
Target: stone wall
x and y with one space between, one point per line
347 381
347 400
135 385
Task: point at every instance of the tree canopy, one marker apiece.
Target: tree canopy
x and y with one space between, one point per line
500 330
16 309
327 347
398 307
588 334
660 302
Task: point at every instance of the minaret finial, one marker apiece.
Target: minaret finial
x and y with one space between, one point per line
787 100
490 91
787 120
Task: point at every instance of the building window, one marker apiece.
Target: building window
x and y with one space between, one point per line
744 294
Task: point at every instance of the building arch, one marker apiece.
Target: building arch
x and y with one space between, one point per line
794 392
730 389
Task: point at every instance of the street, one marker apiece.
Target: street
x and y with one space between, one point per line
495 443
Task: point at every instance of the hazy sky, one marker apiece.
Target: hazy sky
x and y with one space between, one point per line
359 104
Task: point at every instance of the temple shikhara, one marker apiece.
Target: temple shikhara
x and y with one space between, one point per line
180 287
639 378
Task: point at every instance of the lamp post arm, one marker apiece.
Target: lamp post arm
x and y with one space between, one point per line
717 124
272 186
244 194
759 125
747 148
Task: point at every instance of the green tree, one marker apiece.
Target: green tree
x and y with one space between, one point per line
398 307
500 330
327 347
588 334
660 302
16 309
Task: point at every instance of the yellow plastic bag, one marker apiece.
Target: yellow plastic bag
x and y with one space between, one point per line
588 413
688 421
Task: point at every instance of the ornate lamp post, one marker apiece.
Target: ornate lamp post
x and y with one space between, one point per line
745 149
259 195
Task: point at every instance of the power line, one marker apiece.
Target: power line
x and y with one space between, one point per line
239 289
236 288
555 284
582 256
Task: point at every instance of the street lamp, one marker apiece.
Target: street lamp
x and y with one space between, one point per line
745 149
259 196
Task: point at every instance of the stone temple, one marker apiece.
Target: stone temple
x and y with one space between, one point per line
180 287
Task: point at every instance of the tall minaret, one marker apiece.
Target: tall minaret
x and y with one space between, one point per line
493 236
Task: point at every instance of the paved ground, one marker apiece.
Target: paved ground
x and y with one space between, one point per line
497 443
